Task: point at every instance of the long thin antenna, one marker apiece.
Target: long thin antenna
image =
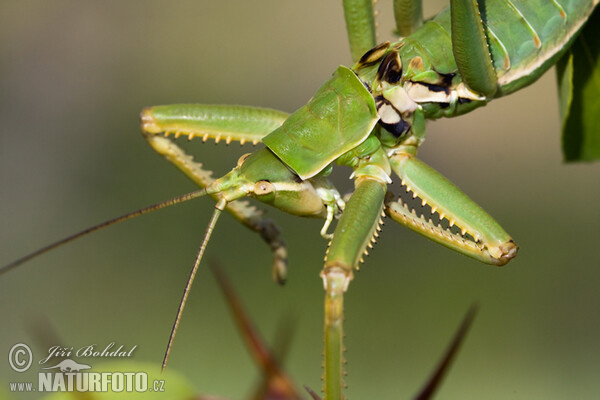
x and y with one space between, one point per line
186 291
125 217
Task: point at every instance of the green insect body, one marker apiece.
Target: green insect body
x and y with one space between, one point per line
372 118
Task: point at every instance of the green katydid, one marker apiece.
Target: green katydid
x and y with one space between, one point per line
383 102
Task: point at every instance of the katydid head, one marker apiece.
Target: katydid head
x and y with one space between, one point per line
264 177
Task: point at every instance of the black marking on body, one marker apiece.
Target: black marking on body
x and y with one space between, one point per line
398 129
390 69
373 55
396 125
462 100
435 88
447 78
442 85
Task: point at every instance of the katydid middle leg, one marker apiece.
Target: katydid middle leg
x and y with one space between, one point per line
354 232
488 241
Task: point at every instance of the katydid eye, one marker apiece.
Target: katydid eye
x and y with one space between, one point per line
242 159
262 188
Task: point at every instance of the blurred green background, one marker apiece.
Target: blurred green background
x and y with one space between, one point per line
74 76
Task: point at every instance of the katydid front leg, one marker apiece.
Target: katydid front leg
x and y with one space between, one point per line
260 175
227 123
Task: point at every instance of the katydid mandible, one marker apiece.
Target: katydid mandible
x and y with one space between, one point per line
371 117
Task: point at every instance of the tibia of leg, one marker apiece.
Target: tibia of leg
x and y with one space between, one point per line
356 227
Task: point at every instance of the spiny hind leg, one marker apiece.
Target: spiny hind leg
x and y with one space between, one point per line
242 124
